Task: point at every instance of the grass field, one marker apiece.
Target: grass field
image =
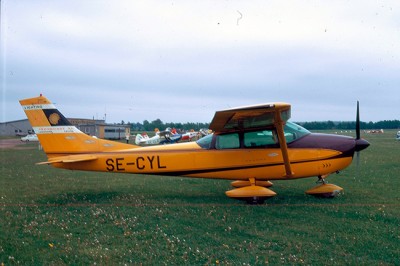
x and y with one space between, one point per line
53 216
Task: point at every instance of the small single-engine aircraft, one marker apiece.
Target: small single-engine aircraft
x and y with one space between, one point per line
190 136
251 144
161 137
144 139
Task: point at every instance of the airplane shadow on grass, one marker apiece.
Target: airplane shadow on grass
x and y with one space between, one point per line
113 198
187 192
132 199
80 198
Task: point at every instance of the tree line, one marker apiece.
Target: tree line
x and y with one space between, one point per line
323 125
150 126
330 125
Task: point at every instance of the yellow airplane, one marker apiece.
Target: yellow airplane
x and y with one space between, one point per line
251 144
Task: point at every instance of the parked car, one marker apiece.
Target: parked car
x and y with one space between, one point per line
31 137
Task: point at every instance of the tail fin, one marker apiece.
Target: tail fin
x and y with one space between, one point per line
57 135
138 139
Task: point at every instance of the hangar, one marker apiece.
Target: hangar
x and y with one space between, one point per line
16 128
91 127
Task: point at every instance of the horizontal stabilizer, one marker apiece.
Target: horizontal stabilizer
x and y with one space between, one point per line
70 159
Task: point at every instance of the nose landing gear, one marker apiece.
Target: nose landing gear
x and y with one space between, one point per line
324 190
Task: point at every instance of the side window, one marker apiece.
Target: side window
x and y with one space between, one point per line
260 138
227 141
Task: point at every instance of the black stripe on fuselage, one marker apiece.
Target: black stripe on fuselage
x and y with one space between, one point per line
216 170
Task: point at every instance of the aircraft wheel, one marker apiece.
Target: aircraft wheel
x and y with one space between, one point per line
328 195
255 200
325 191
251 194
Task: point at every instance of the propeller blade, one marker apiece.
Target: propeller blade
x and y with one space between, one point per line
358 122
360 143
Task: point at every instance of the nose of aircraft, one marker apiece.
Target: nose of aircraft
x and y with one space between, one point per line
361 144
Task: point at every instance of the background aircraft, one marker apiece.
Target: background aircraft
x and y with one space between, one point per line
161 137
190 136
251 144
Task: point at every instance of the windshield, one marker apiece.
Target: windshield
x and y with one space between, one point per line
294 131
205 142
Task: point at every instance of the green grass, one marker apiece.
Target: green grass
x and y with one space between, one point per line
53 216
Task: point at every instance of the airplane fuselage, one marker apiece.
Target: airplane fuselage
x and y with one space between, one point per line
312 155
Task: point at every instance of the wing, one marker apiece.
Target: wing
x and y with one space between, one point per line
256 116
250 117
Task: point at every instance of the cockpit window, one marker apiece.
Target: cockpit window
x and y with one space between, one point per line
253 139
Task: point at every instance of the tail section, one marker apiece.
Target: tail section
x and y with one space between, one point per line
138 139
58 136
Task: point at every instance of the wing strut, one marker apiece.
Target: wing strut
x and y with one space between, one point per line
279 124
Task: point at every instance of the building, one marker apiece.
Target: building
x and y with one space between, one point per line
91 127
16 128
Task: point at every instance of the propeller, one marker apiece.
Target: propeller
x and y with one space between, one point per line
360 143
358 122
358 135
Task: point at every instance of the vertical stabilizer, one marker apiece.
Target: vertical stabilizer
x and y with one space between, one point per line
57 135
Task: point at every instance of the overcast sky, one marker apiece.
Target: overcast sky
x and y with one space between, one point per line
181 61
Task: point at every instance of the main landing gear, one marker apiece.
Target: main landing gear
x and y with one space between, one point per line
252 191
256 191
324 190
